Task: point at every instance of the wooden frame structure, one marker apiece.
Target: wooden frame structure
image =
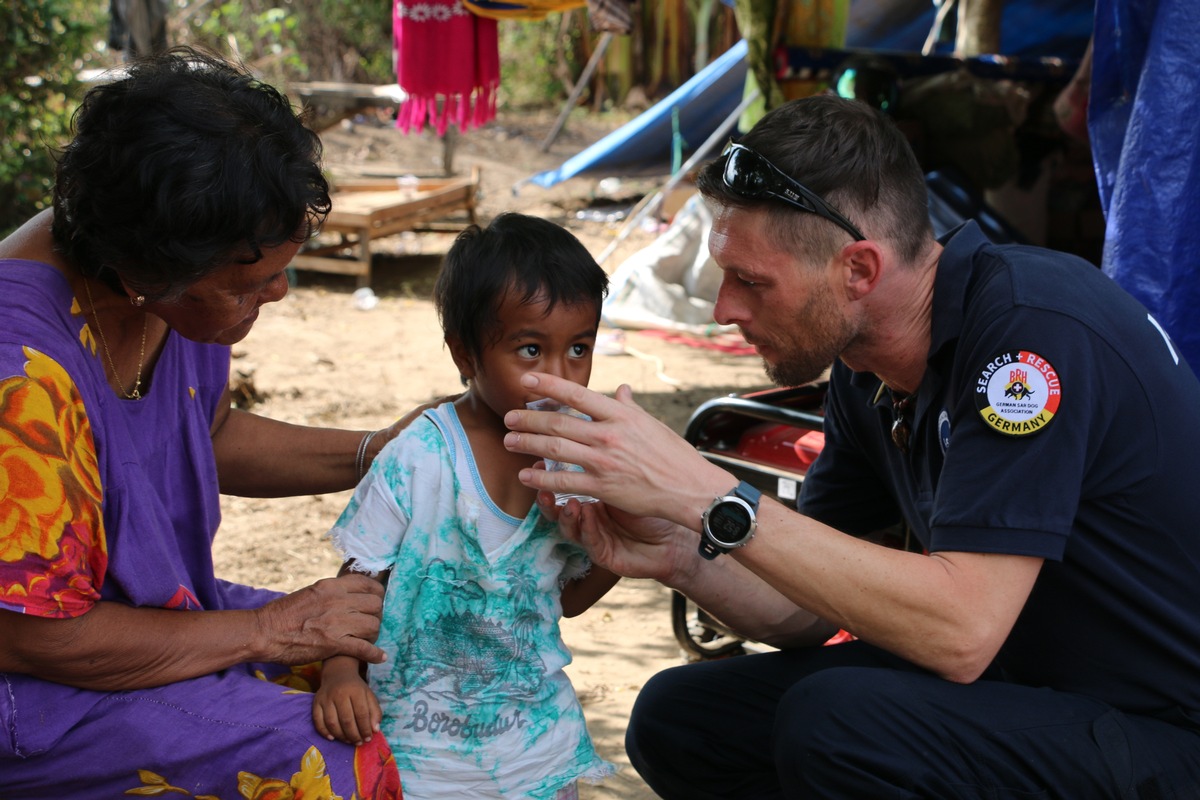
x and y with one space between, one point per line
366 209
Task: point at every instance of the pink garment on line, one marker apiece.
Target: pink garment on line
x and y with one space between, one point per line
447 62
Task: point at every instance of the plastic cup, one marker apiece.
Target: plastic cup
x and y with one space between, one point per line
547 404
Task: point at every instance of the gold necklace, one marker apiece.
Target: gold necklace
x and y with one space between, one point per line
136 394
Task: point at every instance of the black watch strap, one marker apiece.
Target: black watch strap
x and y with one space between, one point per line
709 549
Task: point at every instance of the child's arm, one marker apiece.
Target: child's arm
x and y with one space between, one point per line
344 707
582 593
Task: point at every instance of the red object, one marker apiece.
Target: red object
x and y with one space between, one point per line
782 446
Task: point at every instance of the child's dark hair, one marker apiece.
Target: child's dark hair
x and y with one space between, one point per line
533 257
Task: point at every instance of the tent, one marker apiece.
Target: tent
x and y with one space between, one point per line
1039 36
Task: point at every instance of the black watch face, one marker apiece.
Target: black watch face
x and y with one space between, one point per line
729 523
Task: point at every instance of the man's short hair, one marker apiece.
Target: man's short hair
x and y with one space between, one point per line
850 154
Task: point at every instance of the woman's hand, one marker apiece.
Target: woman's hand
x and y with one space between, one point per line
385 435
115 646
344 707
334 616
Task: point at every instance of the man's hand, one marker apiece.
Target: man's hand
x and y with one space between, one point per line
628 545
631 460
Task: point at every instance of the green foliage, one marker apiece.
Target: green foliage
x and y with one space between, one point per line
365 29
287 40
47 43
253 31
531 59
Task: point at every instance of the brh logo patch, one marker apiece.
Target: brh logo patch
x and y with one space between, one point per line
1017 393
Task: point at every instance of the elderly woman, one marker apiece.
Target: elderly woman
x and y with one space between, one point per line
126 666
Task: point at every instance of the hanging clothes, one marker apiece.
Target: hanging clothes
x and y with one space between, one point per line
525 10
139 27
447 62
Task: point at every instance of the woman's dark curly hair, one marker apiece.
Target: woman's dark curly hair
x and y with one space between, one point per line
186 164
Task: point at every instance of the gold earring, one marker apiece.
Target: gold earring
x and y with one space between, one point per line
139 300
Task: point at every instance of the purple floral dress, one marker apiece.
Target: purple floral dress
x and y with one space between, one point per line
117 500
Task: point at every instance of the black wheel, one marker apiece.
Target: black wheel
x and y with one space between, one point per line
701 636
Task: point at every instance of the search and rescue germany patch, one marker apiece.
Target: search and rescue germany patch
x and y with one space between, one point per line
1017 393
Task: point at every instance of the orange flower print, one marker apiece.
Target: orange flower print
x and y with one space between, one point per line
50 494
298 679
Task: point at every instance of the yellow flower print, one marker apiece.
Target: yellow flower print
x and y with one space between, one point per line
310 783
50 489
85 332
299 679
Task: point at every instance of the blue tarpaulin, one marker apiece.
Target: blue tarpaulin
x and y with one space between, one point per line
1030 28
1144 125
646 142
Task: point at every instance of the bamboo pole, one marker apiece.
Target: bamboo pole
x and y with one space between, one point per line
650 203
580 85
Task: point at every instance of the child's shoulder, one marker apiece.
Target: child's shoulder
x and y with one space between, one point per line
429 431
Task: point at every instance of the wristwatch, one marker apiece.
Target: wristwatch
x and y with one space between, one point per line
730 521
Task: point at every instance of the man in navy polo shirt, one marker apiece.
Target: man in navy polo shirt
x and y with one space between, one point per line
1028 420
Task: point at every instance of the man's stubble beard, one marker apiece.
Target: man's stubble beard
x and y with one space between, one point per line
821 335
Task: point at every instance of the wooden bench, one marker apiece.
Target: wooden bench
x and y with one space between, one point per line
366 209
330 102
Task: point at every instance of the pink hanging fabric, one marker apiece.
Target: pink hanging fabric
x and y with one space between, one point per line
447 62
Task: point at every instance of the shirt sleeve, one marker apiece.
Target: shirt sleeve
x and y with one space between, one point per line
372 528
53 552
1020 493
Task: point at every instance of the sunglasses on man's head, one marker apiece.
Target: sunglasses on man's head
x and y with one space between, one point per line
751 176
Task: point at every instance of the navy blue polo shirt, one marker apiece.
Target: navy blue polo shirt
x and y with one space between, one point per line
1055 419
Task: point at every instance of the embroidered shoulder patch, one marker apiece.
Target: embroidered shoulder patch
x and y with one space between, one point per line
1017 392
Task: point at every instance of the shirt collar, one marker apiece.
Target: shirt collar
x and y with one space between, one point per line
954 272
953 278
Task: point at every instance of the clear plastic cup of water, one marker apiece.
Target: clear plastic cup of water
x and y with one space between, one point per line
547 404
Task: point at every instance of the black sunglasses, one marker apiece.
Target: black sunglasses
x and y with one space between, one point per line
750 175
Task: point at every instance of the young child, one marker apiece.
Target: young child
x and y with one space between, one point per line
473 697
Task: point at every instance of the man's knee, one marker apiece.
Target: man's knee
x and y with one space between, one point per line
816 707
655 711
838 722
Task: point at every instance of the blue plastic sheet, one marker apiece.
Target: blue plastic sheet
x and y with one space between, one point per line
1144 124
644 144
1028 28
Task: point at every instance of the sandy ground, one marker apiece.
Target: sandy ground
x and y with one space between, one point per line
316 359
